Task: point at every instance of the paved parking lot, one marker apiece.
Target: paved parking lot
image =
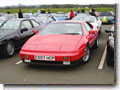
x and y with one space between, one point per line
13 71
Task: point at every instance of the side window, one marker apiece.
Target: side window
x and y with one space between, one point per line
26 24
87 27
86 31
35 24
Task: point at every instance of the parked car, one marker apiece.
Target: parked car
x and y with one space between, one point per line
8 16
14 33
110 47
35 15
107 17
44 20
27 15
93 20
61 43
84 14
1 14
60 16
2 21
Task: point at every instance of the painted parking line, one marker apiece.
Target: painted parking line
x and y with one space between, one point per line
19 62
101 64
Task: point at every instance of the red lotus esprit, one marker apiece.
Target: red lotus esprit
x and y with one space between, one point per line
61 43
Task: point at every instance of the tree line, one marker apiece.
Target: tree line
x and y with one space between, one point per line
60 6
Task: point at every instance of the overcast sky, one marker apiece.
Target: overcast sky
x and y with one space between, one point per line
39 2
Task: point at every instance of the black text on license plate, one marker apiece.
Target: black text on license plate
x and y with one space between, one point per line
46 58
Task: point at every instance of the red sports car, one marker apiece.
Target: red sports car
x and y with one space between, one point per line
61 43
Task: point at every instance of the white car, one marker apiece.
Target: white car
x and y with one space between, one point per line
44 20
93 20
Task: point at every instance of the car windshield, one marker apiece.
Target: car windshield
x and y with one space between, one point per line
89 19
62 28
106 14
10 25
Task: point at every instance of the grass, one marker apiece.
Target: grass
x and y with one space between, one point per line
34 10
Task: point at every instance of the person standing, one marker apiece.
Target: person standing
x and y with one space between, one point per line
49 11
20 14
78 11
72 14
83 10
8 12
43 11
92 12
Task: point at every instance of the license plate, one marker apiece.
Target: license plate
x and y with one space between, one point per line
27 60
66 62
45 58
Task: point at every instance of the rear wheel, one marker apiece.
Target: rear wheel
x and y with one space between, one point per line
86 56
100 30
9 49
109 61
96 43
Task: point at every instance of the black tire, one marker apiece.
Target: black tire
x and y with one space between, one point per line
96 43
85 58
100 31
9 49
109 62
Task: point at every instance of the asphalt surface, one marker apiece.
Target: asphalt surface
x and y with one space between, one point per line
21 73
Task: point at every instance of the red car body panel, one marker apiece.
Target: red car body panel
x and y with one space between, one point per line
58 45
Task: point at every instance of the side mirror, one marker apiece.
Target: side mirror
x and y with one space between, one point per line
24 29
35 31
91 32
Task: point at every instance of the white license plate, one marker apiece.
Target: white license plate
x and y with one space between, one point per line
45 58
27 60
66 62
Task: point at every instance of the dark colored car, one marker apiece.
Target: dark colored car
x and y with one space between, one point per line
14 33
107 17
110 47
